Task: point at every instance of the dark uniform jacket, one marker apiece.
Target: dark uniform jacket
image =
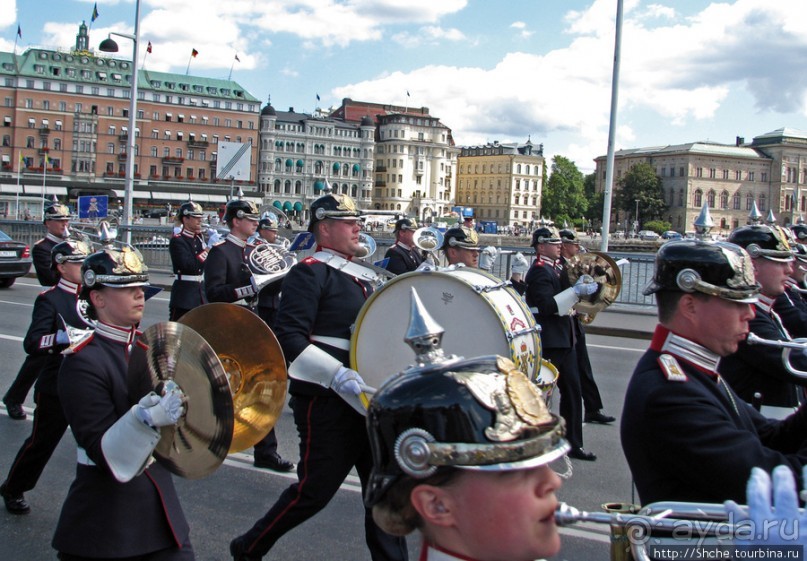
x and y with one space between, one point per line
402 259
226 271
42 260
188 255
688 437
100 516
317 300
269 297
792 310
543 283
757 368
60 300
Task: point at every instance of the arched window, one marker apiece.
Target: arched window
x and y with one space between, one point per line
710 198
518 168
736 201
278 164
762 201
724 200
287 187
298 187
698 198
681 196
277 186
749 201
354 191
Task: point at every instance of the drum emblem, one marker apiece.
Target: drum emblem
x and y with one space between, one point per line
516 324
447 298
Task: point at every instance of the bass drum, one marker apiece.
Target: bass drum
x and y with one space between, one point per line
480 314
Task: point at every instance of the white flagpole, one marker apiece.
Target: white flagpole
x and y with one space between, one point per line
44 177
19 174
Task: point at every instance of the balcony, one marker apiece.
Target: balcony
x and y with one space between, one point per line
381 168
192 143
122 157
173 160
44 131
380 183
43 150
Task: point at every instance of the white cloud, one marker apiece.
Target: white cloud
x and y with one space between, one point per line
522 29
428 35
8 14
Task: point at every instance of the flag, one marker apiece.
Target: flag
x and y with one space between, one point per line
94 13
22 158
236 58
317 97
194 52
148 48
19 32
407 93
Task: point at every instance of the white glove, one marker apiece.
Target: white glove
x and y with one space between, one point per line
347 381
770 523
162 411
62 338
585 286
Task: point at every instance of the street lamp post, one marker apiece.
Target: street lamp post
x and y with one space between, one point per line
637 216
110 46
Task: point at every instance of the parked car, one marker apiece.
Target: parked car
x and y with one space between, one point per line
15 260
672 235
648 235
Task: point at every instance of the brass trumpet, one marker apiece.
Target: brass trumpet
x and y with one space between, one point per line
787 347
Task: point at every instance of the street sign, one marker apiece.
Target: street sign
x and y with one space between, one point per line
233 161
93 207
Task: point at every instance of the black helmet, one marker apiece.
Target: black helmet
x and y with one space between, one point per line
335 206
759 240
239 208
800 252
268 222
716 268
56 211
462 237
118 268
799 232
545 234
190 208
568 236
70 251
481 414
405 224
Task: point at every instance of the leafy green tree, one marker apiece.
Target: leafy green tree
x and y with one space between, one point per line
641 183
564 197
658 226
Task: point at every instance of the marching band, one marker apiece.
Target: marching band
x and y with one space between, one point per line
433 440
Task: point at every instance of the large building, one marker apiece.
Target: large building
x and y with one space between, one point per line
299 153
771 171
502 182
415 158
65 123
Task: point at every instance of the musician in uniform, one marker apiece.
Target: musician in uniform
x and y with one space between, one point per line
56 220
120 504
551 303
759 369
229 279
461 246
461 451
46 337
403 255
686 434
592 401
269 296
322 296
791 305
188 254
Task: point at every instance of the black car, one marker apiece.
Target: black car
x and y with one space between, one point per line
15 260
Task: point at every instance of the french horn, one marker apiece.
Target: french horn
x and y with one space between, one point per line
270 263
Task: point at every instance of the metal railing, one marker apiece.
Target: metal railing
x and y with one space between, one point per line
152 241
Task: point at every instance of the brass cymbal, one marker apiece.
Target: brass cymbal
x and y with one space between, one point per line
254 365
605 271
199 442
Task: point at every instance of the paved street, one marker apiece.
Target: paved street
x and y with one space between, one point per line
227 502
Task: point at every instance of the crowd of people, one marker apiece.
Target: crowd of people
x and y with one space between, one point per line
460 449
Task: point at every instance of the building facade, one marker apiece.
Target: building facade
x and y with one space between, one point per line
300 153
65 125
502 182
415 159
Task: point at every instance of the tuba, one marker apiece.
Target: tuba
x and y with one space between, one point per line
605 271
235 389
429 240
367 246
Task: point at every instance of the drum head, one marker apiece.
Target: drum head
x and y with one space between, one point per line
476 322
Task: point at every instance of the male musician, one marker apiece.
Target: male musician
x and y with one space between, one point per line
461 246
551 302
188 254
56 220
269 296
461 452
46 338
120 504
322 296
229 279
759 369
592 402
791 305
403 255
686 434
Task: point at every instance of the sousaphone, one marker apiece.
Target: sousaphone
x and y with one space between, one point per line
230 367
604 270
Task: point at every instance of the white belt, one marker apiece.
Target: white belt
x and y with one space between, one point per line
83 458
534 310
336 342
192 278
774 412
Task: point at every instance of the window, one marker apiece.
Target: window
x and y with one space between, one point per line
724 200
698 198
735 201
710 198
749 201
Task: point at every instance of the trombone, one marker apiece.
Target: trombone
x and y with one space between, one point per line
787 347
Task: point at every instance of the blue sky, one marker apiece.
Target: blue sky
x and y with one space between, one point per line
490 69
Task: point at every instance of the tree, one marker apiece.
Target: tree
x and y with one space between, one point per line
595 200
564 197
641 184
